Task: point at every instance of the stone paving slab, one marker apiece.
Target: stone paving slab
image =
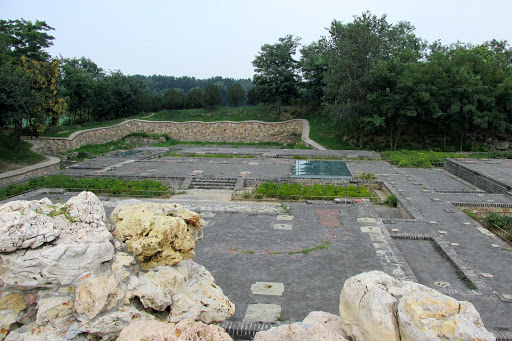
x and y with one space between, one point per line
498 169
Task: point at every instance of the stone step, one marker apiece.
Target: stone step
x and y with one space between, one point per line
213 183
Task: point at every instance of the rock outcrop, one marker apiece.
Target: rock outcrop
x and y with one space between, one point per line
44 245
376 306
61 277
157 234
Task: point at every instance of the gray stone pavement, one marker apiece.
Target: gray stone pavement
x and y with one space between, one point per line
313 247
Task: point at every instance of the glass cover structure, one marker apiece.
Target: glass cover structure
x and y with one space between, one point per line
316 169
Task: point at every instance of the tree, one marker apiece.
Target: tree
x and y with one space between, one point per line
24 38
313 65
236 95
276 70
174 99
354 49
193 99
254 96
17 97
50 106
212 96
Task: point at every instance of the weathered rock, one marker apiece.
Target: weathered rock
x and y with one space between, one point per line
182 331
7 318
80 241
107 326
368 311
53 309
97 295
121 260
318 326
13 301
188 288
425 316
157 234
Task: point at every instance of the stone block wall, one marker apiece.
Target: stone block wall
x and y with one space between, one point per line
481 181
45 168
225 131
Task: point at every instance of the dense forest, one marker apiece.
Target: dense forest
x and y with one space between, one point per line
366 77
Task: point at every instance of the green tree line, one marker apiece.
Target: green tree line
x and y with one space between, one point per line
372 76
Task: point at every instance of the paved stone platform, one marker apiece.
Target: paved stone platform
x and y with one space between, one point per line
309 249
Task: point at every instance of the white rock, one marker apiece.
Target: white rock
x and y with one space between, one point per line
80 240
98 295
182 331
316 326
375 306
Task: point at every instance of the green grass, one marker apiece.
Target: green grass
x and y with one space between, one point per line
365 176
21 155
325 244
500 220
429 159
224 156
391 201
112 186
93 150
297 191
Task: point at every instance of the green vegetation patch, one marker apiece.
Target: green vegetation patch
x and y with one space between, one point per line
325 244
266 113
111 186
297 191
500 220
429 159
22 154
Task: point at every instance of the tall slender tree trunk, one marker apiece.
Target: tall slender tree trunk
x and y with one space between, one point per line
444 140
391 138
397 137
279 105
461 140
361 140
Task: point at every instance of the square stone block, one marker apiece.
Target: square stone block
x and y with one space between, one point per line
370 229
495 246
263 312
366 220
267 288
395 230
207 215
486 275
284 217
287 227
454 244
443 232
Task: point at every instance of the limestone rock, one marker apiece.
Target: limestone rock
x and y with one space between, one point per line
182 331
503 145
13 301
53 308
376 306
107 326
318 326
122 259
425 316
97 295
80 241
157 234
188 288
7 318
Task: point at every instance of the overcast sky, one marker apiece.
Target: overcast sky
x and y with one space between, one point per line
206 38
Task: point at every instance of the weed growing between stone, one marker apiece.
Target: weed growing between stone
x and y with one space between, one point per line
429 159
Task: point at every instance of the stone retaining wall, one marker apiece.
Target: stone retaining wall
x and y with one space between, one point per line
40 169
225 131
481 181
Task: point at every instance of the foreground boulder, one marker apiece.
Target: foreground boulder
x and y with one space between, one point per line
157 234
318 325
376 306
185 330
46 245
61 277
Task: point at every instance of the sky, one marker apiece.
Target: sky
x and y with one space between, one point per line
207 38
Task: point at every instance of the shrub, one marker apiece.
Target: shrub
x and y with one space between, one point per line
391 201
